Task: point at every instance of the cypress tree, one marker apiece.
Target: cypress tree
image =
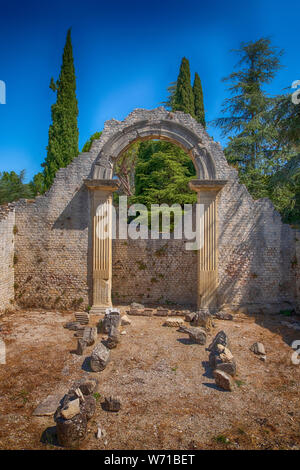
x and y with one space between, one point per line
63 132
183 97
198 100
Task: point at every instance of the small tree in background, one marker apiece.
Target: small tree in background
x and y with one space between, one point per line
88 144
12 187
171 93
63 132
183 99
198 100
37 184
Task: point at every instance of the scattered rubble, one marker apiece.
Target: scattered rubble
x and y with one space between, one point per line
259 349
71 409
223 380
86 385
175 322
196 334
81 347
99 358
89 335
223 316
162 312
222 359
82 317
75 411
125 320
220 338
112 404
48 406
113 338
202 319
73 325
189 316
112 318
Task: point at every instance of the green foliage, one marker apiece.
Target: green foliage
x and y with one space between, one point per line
253 139
162 173
198 100
286 115
263 132
63 132
37 185
183 99
88 144
97 396
12 187
169 103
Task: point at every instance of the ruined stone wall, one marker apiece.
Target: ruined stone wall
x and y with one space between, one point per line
154 271
52 244
296 268
256 254
7 222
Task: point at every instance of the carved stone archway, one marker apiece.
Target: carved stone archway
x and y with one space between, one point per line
211 169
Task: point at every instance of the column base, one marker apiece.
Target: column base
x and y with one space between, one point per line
98 310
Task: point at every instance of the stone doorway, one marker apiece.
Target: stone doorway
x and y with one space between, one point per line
185 132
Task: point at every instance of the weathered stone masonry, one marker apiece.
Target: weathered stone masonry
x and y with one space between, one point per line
7 223
256 260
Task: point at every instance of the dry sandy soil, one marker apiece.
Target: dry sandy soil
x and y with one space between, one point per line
169 398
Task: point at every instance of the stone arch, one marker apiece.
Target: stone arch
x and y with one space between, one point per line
161 129
212 171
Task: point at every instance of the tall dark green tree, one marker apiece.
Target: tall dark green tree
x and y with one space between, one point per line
63 132
198 100
183 99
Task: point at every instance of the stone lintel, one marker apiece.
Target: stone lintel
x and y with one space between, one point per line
103 184
207 185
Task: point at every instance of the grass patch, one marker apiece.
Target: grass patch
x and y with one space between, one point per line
239 383
97 396
221 439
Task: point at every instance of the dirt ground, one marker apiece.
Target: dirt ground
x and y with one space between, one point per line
169 398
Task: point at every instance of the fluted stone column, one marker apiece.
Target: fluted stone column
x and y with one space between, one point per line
101 207
207 191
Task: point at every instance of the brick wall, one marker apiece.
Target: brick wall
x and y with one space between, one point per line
7 222
256 252
296 268
154 271
52 244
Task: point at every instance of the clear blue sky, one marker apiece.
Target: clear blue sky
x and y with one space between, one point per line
126 53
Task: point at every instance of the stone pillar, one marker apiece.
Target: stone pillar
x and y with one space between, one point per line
101 208
207 191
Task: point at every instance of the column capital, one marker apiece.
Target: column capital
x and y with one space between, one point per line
207 185
109 186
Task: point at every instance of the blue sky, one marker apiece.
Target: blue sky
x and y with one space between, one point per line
126 53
